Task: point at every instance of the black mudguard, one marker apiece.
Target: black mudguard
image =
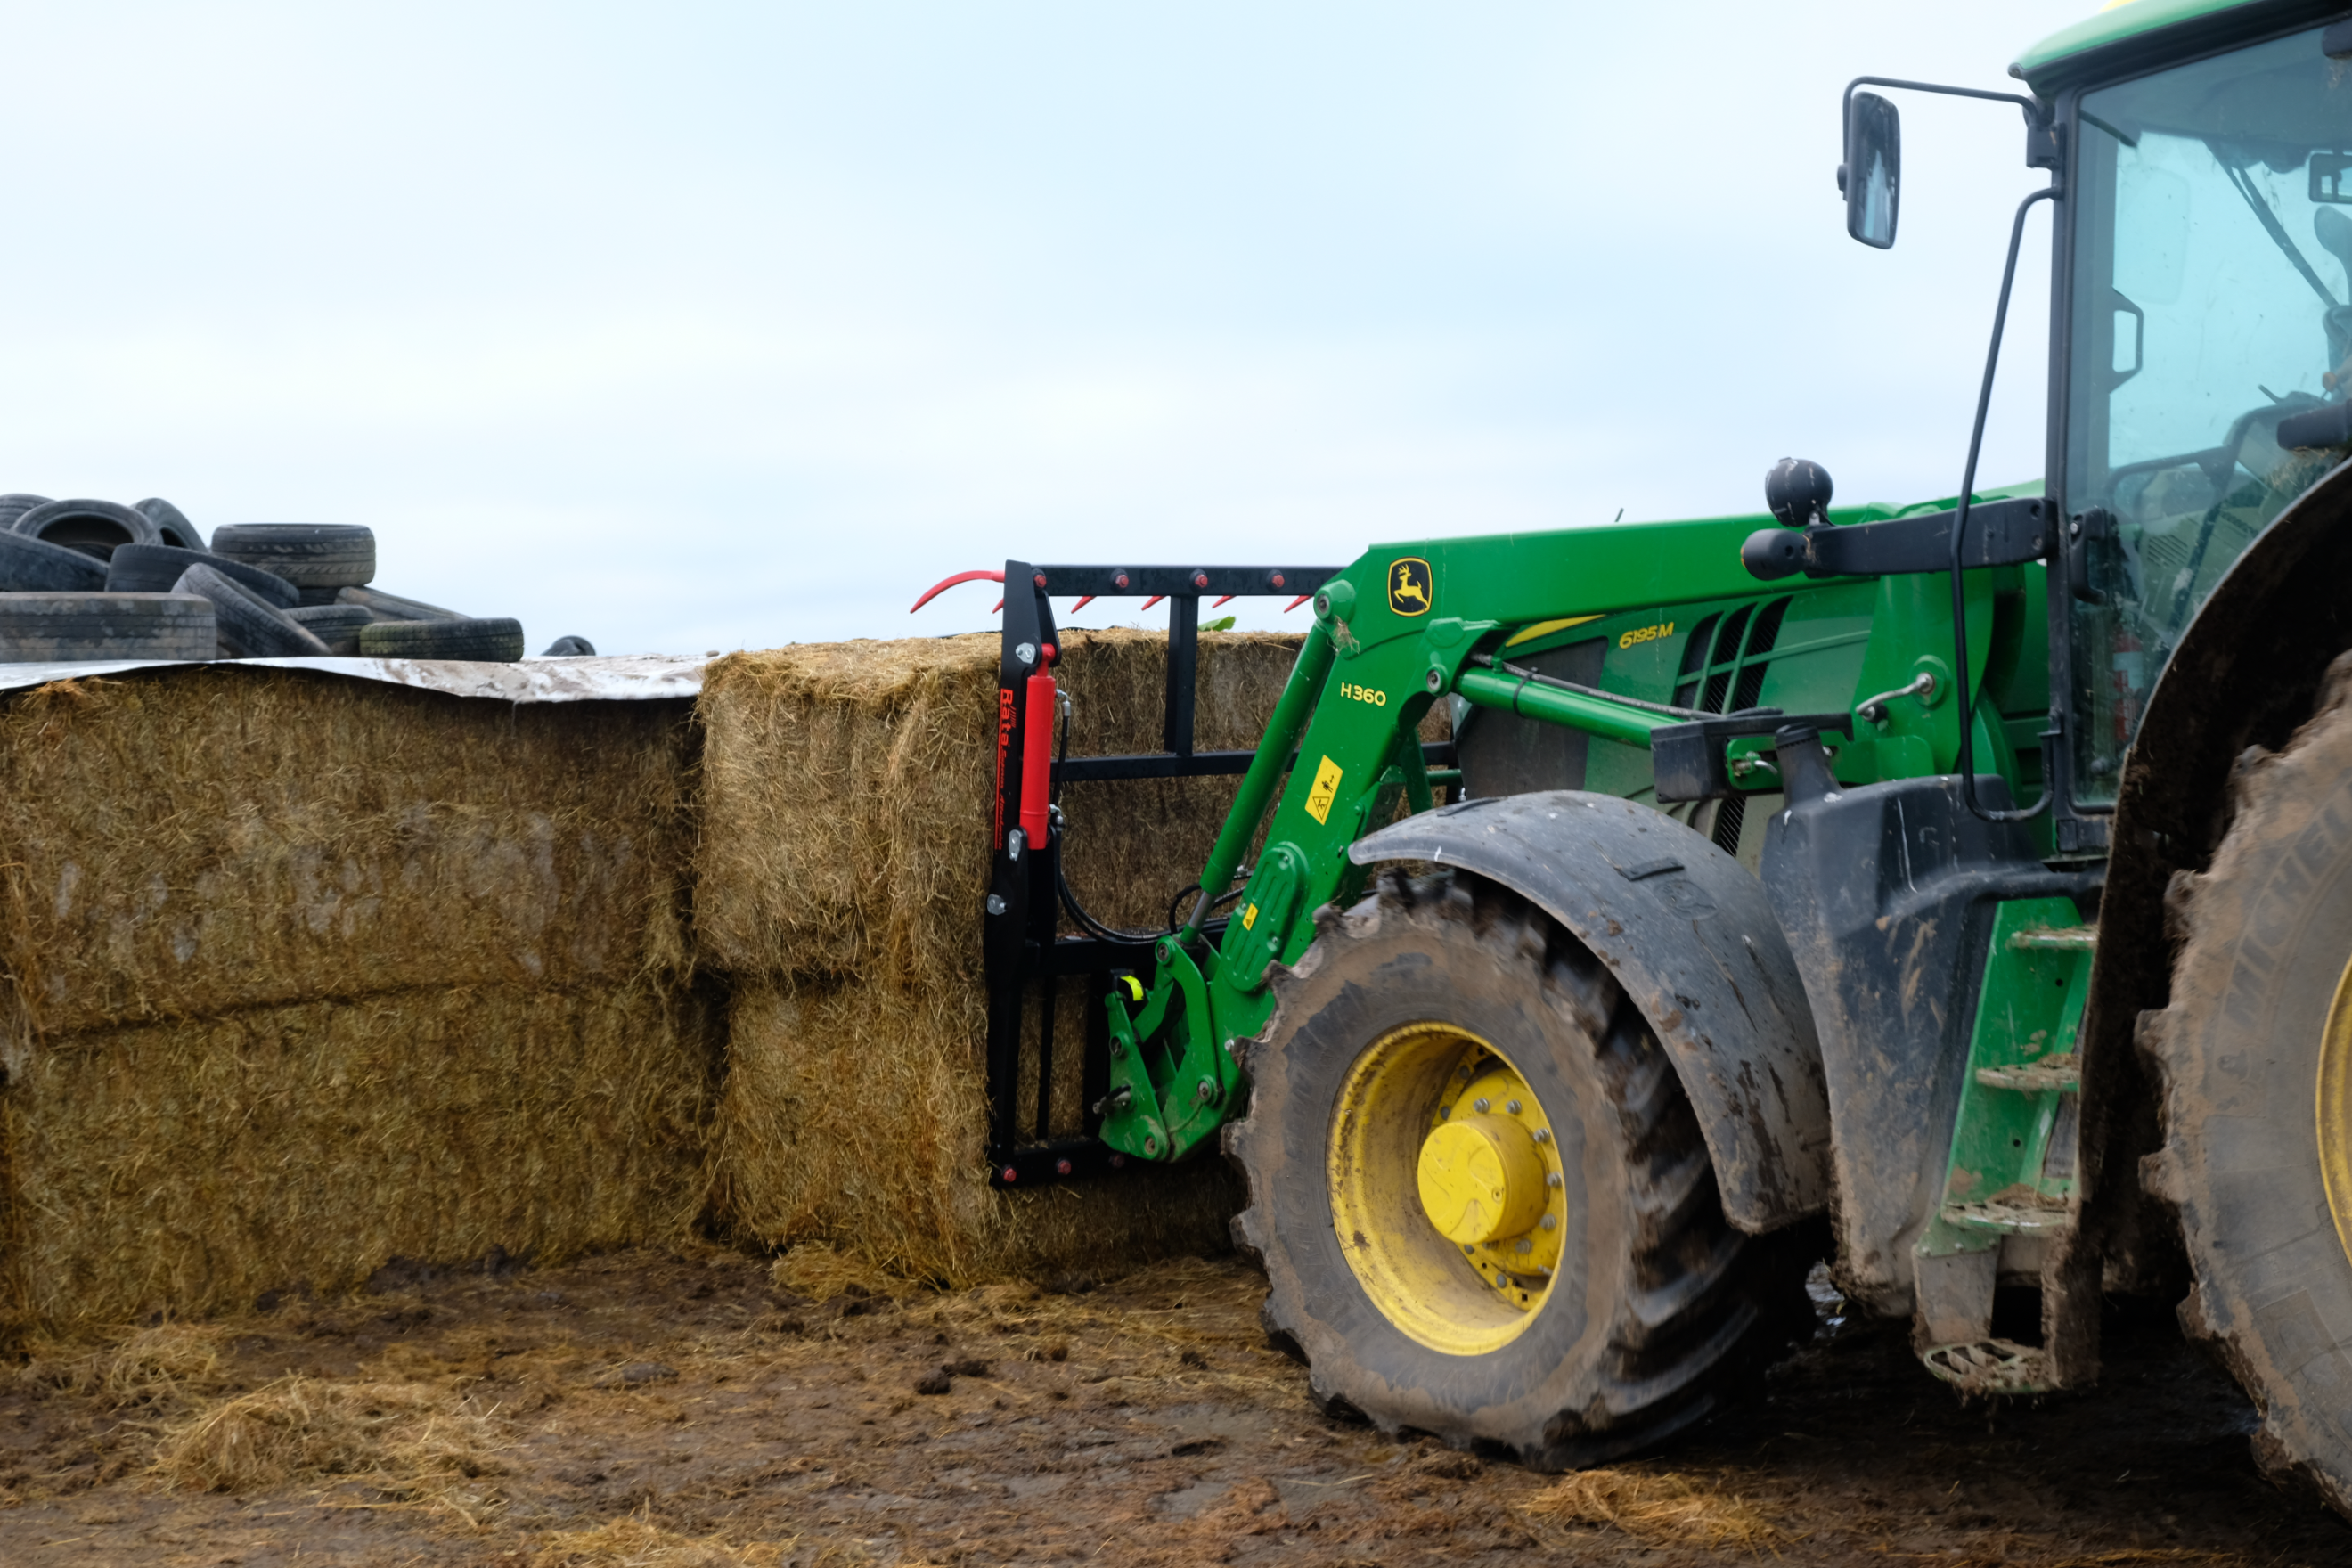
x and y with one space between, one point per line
1688 933
1887 892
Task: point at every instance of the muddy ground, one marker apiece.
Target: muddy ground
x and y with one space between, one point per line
662 1411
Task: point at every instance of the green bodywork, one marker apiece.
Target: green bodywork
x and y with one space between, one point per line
2112 25
1680 621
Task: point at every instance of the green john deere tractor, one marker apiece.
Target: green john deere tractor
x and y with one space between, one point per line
1963 890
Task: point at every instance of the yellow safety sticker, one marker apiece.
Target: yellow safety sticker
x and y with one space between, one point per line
1544 628
1134 986
1249 918
1326 791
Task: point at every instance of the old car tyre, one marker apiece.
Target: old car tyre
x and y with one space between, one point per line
2255 1055
154 568
307 554
1587 1296
29 565
393 607
171 524
570 648
249 626
57 628
492 639
337 626
15 504
93 527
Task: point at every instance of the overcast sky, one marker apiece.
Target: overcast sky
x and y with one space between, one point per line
705 326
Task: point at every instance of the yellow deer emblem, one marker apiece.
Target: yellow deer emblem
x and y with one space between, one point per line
1408 581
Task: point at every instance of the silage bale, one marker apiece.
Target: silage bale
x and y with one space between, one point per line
841 861
182 842
189 1166
307 973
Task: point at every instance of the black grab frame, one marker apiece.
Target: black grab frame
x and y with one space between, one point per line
1027 953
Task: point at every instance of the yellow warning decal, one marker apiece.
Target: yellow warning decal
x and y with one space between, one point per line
1544 628
1326 791
1249 918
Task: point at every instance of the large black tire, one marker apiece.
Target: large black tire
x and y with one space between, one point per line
250 627
2255 1052
65 628
15 504
155 568
29 565
307 554
493 639
337 626
1658 1309
171 524
95 527
569 648
393 607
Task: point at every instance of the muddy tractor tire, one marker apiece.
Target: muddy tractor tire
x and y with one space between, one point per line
1482 1202
2254 1054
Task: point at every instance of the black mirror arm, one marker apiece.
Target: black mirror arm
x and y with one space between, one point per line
1960 533
2041 137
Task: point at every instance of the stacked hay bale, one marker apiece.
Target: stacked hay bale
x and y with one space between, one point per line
839 871
306 973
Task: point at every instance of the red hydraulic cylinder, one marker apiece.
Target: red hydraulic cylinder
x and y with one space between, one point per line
1037 758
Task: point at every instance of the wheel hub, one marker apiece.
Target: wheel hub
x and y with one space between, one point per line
1435 1117
1481 1178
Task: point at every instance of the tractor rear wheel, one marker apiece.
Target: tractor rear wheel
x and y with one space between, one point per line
1482 1202
2255 1054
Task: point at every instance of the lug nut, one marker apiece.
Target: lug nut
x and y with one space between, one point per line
1480 1104
1543 1134
1512 1106
1552 1180
1525 1246
1551 1222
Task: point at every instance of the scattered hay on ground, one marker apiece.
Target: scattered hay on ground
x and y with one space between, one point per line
408 1442
638 1542
1659 1509
159 1366
820 1271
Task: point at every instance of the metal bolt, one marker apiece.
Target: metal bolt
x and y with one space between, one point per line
1543 1134
1061 1167
1525 1245
1015 842
1206 1092
1010 1174
1026 653
996 905
1545 1270
1512 1106
1465 1250
1465 1073
1480 1104
1436 681
1551 1222
1552 1180
1444 1112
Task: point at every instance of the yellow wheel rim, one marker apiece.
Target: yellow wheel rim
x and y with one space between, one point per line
1447 1194
2335 1109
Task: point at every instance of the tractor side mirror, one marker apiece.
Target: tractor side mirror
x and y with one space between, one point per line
1872 174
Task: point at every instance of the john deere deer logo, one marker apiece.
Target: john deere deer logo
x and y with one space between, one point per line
1409 587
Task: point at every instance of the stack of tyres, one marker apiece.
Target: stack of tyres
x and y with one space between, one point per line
93 580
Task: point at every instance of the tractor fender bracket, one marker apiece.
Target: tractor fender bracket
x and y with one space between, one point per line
1690 935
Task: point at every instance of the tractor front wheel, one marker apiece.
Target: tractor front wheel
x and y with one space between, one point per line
1482 1202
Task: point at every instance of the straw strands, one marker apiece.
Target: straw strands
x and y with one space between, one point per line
842 860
